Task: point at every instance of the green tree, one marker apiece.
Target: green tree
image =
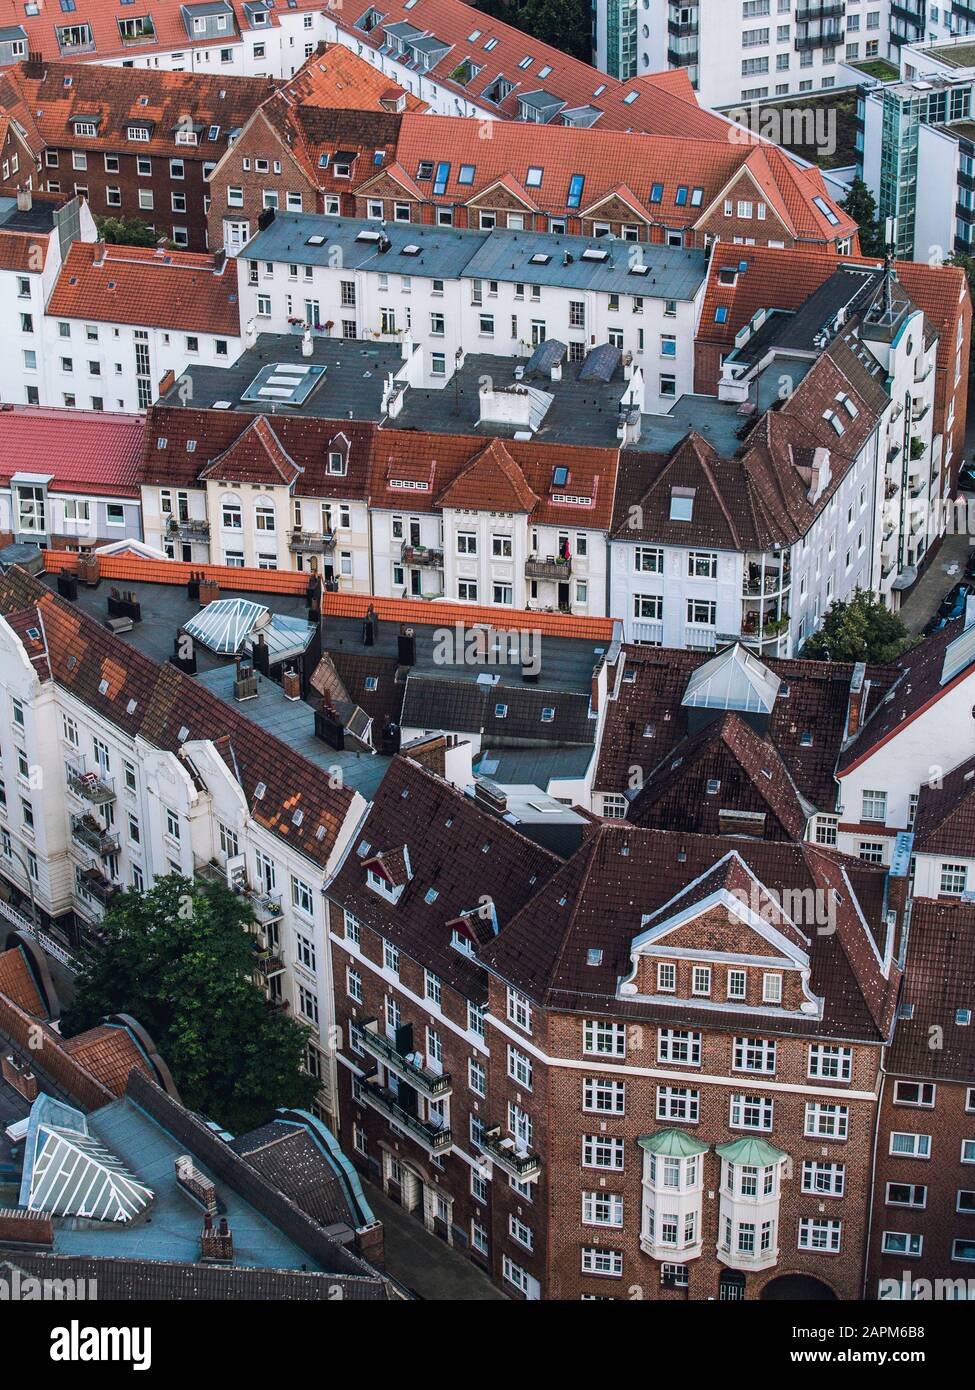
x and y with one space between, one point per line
565 24
180 958
126 231
861 629
862 207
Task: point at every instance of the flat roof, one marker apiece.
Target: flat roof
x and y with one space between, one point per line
442 251
39 217
581 412
350 387
953 55
172 1230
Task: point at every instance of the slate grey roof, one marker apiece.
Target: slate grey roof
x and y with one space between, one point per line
137 1280
505 714
355 372
443 251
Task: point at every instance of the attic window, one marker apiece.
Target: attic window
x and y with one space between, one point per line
533 179
805 739
594 956
721 314
500 711
630 98
323 161
34 634
103 687
849 406
548 714
298 817
714 785
728 275
963 1017
183 734
832 418
827 211
259 791
766 773
574 197
191 446
162 442
681 504
905 1011
431 896
656 193
425 169
320 833
131 707
363 848
560 475
648 731
372 683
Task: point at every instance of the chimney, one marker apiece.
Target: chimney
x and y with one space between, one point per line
306 343
166 382
219 261
216 1244
25 198
245 682
196 1184
406 646
594 691
406 346
261 655
19 1075
291 684
854 709
370 627
89 570
34 65
209 591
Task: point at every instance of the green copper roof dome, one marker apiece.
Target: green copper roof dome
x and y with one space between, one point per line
754 1152
672 1143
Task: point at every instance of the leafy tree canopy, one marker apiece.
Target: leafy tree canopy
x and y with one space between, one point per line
862 207
859 630
126 231
565 24
180 958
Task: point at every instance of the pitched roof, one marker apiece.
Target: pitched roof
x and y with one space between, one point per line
461 857
108 1052
17 982
647 720
491 482
256 456
505 715
86 451
939 980
724 765
179 290
163 101
599 900
944 822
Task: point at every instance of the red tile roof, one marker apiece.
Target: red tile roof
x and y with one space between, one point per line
179 290
108 1053
492 482
256 456
87 451
939 980
45 101
17 982
421 613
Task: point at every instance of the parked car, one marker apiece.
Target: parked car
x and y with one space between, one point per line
953 603
966 477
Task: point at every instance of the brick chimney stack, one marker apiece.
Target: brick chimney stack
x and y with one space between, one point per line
216 1244
854 712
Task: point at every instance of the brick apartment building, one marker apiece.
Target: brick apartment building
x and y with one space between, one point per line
652 1083
137 143
304 148
923 1224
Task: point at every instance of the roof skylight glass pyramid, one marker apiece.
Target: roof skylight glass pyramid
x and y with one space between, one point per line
735 679
67 1172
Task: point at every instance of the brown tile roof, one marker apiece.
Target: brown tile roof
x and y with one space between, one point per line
17 983
916 687
342 676
182 445
256 456
460 855
179 290
117 97
939 979
760 497
646 722
944 822
598 902
749 773
108 1052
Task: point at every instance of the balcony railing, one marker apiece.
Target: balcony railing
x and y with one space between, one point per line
188 528
436 1139
311 542
812 12
518 1163
650 632
268 963
88 832
267 906
771 584
830 39
426 556
91 786
429 1083
551 567
93 884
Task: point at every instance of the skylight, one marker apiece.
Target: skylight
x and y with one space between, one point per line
656 193
575 190
681 505
441 177
827 211
630 98
539 258
533 179
465 174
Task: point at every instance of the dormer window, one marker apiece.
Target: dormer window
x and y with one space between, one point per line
681 504
382 886
336 461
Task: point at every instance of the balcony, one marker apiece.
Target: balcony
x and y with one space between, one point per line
90 786
92 883
891 489
773 582
678 59
521 1165
188 529
311 542
424 556
436 1139
683 29
267 906
813 12
88 831
550 568
919 411
700 638
427 1082
267 963
831 38
650 632
140 32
